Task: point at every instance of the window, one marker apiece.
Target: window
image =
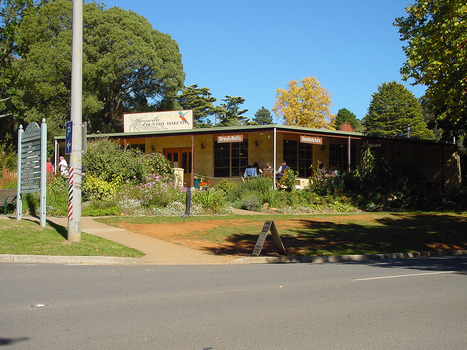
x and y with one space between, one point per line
230 158
299 156
179 158
338 156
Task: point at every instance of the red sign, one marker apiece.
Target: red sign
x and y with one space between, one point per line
311 139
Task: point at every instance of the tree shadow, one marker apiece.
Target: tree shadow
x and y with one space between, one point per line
434 264
398 233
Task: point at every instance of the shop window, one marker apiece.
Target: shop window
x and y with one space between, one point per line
338 156
230 158
305 159
299 156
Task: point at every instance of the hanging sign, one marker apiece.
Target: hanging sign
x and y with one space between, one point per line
311 139
230 138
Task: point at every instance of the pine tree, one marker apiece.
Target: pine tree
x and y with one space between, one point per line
393 108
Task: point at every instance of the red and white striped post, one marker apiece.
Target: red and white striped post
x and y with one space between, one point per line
70 194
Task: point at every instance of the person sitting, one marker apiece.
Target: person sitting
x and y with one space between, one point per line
280 171
258 169
268 171
250 171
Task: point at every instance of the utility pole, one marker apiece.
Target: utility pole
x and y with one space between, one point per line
74 213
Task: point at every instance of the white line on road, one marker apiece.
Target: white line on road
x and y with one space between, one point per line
409 275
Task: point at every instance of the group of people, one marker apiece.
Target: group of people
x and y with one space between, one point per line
63 167
255 171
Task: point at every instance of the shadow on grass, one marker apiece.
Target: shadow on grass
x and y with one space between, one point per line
62 231
398 233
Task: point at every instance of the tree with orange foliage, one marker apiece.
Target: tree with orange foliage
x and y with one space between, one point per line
304 105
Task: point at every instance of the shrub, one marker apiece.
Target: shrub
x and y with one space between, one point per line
107 160
57 196
212 199
96 188
153 192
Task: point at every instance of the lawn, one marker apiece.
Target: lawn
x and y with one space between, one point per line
28 237
333 234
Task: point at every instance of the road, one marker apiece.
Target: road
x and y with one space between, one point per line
406 304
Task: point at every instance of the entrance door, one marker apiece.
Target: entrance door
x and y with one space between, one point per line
179 158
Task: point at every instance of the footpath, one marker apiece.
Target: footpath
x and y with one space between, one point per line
159 252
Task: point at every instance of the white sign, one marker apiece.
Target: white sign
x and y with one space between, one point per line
230 138
311 139
157 121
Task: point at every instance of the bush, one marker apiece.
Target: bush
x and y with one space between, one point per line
96 188
107 160
57 196
212 199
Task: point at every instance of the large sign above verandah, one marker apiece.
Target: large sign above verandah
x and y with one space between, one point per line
157 121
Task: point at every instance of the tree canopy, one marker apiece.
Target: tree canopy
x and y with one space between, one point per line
263 116
346 116
201 101
232 114
436 50
127 65
304 105
392 109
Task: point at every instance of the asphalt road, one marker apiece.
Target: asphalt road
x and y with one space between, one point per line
406 304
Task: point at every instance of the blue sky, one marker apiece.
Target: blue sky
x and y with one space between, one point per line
250 48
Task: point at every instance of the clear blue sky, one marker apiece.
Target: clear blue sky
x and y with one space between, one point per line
250 48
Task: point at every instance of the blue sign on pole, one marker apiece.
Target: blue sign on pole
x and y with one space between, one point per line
68 129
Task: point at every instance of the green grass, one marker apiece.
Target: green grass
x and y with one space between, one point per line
330 234
28 237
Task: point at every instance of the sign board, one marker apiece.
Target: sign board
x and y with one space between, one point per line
30 159
157 121
230 138
269 225
32 172
311 139
68 134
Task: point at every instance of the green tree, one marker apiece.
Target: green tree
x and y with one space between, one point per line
306 105
436 50
263 116
346 116
233 115
200 100
127 65
11 16
392 109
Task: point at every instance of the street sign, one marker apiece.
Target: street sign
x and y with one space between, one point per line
68 133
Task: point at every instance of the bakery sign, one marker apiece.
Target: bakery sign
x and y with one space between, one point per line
230 138
311 139
157 121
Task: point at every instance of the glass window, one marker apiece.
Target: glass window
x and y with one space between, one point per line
338 156
230 158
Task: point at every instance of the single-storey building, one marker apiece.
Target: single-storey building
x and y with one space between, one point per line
219 153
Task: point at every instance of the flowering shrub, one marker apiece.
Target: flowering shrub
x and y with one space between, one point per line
96 188
154 192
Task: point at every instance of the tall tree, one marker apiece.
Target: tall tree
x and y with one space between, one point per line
127 65
201 101
263 116
306 105
233 115
392 109
436 50
11 16
346 116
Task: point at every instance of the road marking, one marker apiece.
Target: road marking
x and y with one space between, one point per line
409 275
